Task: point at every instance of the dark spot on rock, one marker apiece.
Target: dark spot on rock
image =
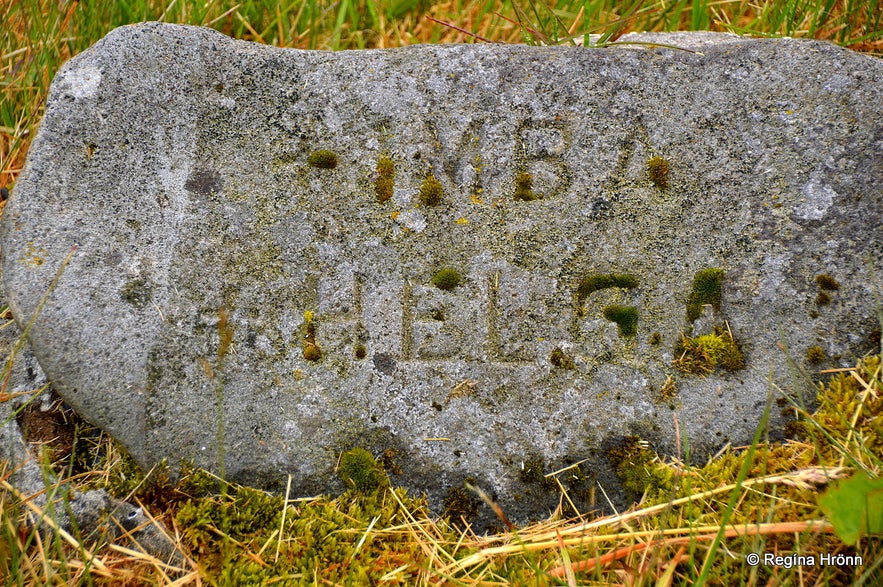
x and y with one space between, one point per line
137 292
204 182
384 363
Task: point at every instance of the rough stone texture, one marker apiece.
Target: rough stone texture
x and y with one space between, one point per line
213 259
90 515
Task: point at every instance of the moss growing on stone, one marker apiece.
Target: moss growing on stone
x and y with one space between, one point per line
359 470
446 279
657 171
815 355
532 473
823 299
360 351
248 511
639 469
827 282
137 292
561 360
383 186
702 354
524 188
706 290
594 282
655 338
323 159
460 506
327 538
431 191
311 350
626 317
196 482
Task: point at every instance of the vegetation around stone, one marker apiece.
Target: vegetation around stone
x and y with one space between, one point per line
764 498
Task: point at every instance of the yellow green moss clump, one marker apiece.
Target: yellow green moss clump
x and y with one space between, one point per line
242 538
323 159
626 317
311 350
827 282
851 408
639 469
702 354
706 290
431 192
657 171
524 188
815 355
561 360
385 175
446 279
359 470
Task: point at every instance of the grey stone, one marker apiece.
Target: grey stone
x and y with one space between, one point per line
213 261
91 515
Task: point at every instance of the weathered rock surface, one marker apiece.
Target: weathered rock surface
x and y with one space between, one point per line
90 515
233 303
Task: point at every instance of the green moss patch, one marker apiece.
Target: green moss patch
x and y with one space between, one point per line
460 506
707 287
311 350
383 186
524 188
815 355
323 159
626 317
559 359
594 282
827 282
359 470
446 279
657 171
639 468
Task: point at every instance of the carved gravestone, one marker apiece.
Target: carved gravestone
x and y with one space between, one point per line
476 261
